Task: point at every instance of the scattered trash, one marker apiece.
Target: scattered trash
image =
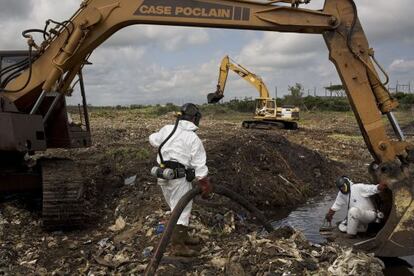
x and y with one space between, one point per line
218 262
103 243
147 251
119 225
127 236
130 180
229 226
73 245
87 242
28 262
351 263
327 230
160 228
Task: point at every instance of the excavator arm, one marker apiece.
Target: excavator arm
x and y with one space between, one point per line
67 47
245 74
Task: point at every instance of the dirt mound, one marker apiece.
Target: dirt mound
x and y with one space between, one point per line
268 170
408 129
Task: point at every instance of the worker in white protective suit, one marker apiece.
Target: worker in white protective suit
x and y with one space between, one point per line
181 150
361 210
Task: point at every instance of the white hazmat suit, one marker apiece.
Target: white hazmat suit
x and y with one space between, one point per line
361 210
186 148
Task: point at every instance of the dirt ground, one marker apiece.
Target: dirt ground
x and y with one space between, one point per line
274 169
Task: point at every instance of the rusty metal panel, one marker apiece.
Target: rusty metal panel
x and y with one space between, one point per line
21 132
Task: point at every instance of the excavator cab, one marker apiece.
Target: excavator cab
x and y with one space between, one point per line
56 128
265 108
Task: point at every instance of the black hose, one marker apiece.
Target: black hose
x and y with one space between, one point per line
166 140
26 32
28 78
45 30
166 236
13 75
14 66
182 203
63 24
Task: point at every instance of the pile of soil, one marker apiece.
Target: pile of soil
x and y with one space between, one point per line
270 171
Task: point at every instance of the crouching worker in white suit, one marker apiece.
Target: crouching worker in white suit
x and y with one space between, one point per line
355 197
181 152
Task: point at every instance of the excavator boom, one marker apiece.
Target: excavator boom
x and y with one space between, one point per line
267 113
245 74
66 48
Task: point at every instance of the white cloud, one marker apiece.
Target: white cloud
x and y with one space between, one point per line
386 20
163 37
402 66
14 10
281 50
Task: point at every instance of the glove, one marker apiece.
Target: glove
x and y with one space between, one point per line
382 186
330 215
206 187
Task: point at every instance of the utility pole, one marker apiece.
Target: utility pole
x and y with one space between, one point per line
276 92
276 95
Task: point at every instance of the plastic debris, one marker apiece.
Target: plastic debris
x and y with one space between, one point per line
356 263
118 226
160 228
130 180
147 251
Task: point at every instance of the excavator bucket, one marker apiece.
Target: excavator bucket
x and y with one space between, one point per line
214 97
396 238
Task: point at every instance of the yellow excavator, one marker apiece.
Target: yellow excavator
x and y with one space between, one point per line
33 114
267 113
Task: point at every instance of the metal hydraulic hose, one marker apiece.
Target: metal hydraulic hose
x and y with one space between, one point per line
28 78
182 203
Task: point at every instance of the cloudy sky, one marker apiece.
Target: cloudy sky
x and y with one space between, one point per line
145 64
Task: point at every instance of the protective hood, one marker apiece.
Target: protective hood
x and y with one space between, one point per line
187 125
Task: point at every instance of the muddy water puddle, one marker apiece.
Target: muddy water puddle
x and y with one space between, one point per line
309 217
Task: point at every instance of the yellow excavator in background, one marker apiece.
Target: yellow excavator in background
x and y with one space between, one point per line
33 113
267 113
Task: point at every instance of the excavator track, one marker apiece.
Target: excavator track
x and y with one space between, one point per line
63 200
267 124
